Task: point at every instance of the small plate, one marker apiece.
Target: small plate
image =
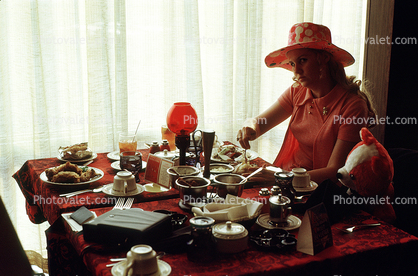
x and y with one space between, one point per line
251 155
114 155
107 189
98 171
313 185
116 165
165 268
292 222
94 155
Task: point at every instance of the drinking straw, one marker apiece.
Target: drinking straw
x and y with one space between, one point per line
136 130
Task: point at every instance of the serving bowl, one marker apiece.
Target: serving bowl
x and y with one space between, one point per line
192 189
181 171
229 183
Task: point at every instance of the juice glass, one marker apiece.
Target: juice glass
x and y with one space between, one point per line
127 142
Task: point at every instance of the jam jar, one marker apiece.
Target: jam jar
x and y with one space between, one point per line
202 247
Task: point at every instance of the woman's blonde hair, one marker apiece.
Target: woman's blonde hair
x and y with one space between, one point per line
337 73
354 86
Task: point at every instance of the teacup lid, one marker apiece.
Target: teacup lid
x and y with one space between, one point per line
284 175
279 200
201 222
165 154
229 231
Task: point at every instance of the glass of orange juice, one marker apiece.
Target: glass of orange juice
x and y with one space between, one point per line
166 134
127 142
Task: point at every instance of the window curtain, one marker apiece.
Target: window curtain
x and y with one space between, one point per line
83 70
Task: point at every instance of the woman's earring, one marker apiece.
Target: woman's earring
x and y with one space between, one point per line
296 83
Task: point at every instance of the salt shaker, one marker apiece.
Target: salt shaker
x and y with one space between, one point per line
164 146
154 147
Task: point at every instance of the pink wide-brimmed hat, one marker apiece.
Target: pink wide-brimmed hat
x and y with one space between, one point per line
312 36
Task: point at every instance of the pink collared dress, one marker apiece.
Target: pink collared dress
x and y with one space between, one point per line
317 123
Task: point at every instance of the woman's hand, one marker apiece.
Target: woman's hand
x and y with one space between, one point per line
245 135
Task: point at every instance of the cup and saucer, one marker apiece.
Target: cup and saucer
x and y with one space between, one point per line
302 181
141 260
123 185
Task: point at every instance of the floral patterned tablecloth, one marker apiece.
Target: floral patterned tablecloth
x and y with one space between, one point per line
383 250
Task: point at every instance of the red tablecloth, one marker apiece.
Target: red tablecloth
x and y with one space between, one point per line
43 201
384 250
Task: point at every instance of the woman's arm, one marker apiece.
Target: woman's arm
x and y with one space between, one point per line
337 160
255 127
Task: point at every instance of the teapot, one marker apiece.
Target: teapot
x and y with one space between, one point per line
280 209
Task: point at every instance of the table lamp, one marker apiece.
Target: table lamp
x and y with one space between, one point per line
182 120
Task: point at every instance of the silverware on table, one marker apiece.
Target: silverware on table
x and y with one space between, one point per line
96 190
351 229
128 203
119 204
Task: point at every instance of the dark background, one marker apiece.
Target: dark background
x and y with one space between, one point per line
403 79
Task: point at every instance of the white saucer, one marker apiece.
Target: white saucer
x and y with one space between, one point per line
165 268
116 165
313 185
108 189
154 188
114 155
292 222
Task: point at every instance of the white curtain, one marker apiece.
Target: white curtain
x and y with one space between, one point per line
84 70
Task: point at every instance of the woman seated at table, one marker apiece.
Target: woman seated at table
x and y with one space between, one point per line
327 108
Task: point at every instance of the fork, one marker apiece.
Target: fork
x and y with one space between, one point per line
128 203
353 228
119 203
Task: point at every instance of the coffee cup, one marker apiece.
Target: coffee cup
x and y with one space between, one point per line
124 182
280 209
141 260
301 178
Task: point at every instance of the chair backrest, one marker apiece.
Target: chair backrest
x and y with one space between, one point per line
13 260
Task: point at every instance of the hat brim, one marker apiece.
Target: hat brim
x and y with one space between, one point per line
279 59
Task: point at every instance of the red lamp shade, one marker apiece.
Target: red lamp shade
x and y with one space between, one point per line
182 118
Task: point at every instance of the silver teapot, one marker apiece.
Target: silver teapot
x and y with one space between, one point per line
280 210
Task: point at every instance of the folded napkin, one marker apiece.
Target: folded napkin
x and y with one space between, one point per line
233 209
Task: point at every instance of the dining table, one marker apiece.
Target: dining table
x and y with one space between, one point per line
382 250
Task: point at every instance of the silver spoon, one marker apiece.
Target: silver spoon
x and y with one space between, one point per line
353 228
96 190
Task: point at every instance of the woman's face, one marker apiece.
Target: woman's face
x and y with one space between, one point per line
306 67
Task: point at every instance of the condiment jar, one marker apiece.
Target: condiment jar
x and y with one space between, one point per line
230 237
165 146
154 147
284 181
202 247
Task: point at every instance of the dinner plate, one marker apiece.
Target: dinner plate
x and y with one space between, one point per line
116 165
312 186
119 268
94 155
108 189
251 155
94 179
292 222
